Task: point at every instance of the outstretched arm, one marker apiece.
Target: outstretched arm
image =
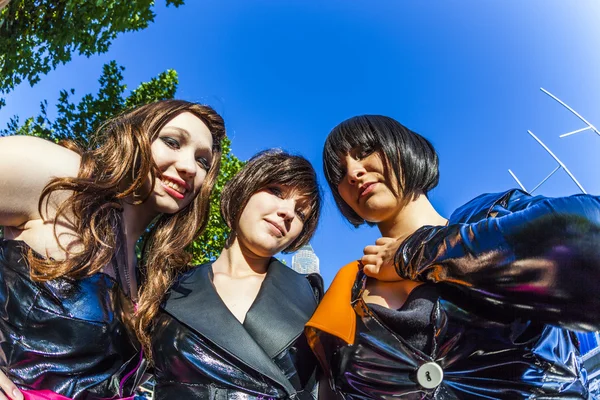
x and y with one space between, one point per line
540 263
28 164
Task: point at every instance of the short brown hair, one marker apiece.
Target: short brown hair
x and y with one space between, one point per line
273 167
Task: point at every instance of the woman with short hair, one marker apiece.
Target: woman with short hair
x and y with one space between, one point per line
474 306
233 328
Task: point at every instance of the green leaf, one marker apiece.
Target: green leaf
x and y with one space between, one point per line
37 36
78 121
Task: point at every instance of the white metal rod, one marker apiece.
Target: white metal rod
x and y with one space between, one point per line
517 179
545 179
574 132
570 109
558 161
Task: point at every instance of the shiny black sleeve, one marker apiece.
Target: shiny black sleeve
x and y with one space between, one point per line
541 262
317 285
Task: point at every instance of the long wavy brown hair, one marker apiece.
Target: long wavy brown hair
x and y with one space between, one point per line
113 170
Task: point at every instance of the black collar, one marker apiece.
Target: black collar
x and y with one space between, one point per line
283 305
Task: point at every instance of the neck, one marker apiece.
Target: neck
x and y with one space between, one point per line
414 215
135 221
238 262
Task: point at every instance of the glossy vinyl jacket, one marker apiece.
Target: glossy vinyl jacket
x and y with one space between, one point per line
64 336
202 351
503 269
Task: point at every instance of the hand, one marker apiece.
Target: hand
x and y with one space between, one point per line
9 389
378 259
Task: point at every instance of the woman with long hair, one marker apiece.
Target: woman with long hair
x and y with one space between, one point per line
233 328
478 305
69 279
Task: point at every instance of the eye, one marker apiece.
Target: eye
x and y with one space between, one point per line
364 152
275 191
301 215
172 143
203 162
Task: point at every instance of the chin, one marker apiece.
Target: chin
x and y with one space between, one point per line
169 208
374 216
265 253
377 211
270 250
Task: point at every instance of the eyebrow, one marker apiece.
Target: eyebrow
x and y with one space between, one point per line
182 131
187 135
305 201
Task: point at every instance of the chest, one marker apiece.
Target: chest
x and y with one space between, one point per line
238 294
390 295
40 236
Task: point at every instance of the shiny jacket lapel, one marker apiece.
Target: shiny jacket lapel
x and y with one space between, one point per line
335 314
195 302
283 305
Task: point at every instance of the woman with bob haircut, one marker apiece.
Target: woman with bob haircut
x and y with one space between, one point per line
72 216
479 305
233 328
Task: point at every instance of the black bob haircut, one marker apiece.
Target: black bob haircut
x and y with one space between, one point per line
410 156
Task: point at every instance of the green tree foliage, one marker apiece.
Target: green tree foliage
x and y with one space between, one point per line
38 35
76 121
209 246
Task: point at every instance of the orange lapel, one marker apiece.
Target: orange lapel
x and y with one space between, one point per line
335 314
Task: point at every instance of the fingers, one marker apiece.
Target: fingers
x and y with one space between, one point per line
9 389
378 259
384 240
381 273
371 270
17 395
372 249
371 259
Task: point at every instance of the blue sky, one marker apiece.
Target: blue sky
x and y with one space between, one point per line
465 74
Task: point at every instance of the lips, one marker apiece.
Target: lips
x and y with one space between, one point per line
280 229
365 189
175 187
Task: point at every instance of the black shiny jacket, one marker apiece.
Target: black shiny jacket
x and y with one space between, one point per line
513 271
202 351
65 336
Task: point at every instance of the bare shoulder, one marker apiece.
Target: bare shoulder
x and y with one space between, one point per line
28 164
63 162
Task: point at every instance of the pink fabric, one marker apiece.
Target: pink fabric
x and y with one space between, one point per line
529 288
131 372
42 395
50 395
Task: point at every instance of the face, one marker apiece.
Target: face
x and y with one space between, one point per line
183 153
367 189
272 220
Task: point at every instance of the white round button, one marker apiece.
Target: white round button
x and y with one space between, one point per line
430 375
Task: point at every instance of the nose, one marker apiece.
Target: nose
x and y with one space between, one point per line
354 171
286 209
187 165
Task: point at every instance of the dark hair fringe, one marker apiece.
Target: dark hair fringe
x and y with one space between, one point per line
407 155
